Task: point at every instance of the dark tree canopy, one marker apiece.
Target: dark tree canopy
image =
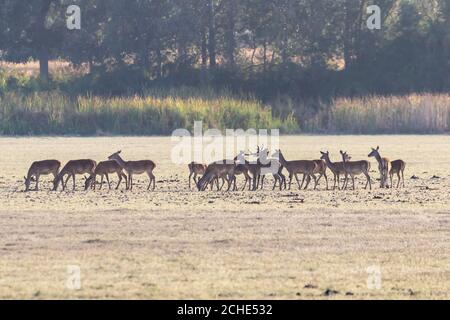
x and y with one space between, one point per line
299 47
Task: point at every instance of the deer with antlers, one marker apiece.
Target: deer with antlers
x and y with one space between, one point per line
136 167
41 168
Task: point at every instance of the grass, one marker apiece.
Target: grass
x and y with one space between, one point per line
416 113
156 113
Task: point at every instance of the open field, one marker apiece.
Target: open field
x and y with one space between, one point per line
176 243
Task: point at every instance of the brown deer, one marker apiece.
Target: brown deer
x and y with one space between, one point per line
136 167
269 166
321 170
241 167
72 168
196 169
294 168
383 166
41 168
354 168
397 167
221 169
103 169
337 168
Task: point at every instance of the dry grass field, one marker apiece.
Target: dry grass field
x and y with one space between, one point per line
175 243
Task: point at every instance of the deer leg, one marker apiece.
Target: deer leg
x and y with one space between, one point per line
399 179
303 180
37 182
152 180
290 180
65 183
73 180
298 181
107 180
190 176
403 178
316 182
326 179
130 180
119 176
101 182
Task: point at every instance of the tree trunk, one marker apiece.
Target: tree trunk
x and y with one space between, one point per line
42 35
229 35
212 34
204 48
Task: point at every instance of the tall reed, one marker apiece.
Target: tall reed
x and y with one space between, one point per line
156 113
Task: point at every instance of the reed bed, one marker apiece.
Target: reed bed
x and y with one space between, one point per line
153 114
412 114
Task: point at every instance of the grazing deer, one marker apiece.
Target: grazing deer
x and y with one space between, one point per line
103 169
72 168
354 168
136 167
383 166
41 168
397 167
294 168
194 170
337 168
221 169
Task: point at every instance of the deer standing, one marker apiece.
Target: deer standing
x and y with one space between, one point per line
41 168
103 169
383 166
136 167
337 168
354 168
294 168
72 168
397 167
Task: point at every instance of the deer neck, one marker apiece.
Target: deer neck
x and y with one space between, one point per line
378 157
329 163
283 161
120 161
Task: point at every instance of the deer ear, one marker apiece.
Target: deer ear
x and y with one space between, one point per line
378 148
119 152
25 178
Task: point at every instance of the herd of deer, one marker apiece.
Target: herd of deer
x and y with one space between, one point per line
204 175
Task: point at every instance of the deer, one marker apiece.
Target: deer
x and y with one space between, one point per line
196 169
72 168
136 167
337 168
241 167
103 169
214 171
305 167
321 169
383 166
269 166
354 168
397 167
41 168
